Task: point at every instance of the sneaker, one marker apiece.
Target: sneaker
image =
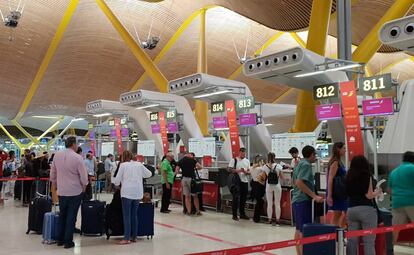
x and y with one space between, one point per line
69 245
235 218
164 211
124 242
198 214
244 217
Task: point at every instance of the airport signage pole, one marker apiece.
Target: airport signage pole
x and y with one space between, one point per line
233 128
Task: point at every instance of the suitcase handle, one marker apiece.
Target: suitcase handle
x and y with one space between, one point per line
313 209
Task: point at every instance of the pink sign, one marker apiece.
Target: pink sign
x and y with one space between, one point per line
247 120
172 127
125 132
156 129
328 112
113 133
220 122
375 107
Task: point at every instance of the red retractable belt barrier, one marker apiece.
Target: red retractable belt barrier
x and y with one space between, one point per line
23 179
307 240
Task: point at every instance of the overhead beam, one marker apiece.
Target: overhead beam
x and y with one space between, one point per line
47 58
299 40
27 134
305 119
170 44
51 128
157 77
201 107
371 44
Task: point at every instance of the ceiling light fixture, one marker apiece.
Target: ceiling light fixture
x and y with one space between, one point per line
147 106
102 115
77 119
220 92
221 129
338 68
268 125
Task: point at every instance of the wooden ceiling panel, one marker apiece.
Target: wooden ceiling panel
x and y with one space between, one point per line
21 57
80 72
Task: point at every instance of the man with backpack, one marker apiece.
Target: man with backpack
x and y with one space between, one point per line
239 183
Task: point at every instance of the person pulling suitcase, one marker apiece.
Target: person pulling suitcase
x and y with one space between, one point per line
69 175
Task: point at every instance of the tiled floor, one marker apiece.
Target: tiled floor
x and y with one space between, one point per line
175 234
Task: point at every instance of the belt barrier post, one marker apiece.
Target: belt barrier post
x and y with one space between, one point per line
340 241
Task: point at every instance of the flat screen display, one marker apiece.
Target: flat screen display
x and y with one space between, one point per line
247 120
378 107
328 112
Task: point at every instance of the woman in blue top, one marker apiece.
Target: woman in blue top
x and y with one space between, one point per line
336 168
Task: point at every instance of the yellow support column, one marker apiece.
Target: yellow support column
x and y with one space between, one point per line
150 68
305 119
370 45
201 108
19 127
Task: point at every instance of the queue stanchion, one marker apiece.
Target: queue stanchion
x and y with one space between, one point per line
340 241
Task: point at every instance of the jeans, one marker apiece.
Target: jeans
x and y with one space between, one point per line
239 200
130 214
166 197
68 211
273 191
362 217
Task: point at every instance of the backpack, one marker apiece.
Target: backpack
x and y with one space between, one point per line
233 180
272 176
7 171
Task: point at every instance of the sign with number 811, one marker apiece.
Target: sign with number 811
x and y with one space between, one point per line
375 83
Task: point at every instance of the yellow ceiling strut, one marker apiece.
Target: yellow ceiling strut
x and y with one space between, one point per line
299 40
157 77
266 45
371 44
15 141
60 120
201 108
47 58
305 119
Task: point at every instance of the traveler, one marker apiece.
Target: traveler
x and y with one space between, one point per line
90 164
188 166
294 152
402 191
3 157
44 165
130 176
10 166
69 175
167 181
336 193
79 151
241 166
258 186
273 187
29 171
361 212
303 192
108 172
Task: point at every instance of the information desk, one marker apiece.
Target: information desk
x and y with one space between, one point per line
211 194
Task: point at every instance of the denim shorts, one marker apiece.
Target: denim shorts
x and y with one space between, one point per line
302 212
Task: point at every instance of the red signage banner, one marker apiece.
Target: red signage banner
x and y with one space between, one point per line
118 135
233 128
351 119
163 131
92 139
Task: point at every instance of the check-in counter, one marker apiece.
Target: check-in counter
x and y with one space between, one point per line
211 191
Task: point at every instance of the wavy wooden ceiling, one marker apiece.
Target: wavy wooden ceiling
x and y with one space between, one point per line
93 62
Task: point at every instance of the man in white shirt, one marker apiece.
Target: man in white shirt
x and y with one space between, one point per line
241 166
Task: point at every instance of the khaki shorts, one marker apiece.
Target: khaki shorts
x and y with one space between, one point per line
186 186
403 215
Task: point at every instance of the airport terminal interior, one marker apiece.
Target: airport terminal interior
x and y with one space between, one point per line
207 127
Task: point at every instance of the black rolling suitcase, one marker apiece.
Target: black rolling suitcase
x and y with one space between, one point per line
37 209
146 220
18 190
93 213
114 221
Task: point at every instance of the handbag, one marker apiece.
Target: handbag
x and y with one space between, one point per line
196 184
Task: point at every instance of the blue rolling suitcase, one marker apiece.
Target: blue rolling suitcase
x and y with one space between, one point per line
50 231
322 248
93 213
146 220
